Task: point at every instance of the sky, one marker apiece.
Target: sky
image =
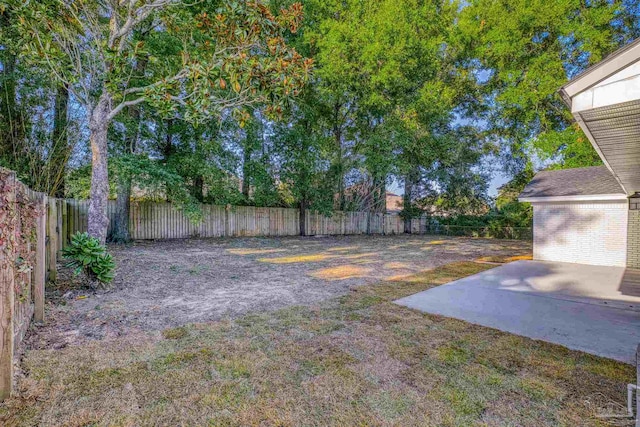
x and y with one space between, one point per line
497 180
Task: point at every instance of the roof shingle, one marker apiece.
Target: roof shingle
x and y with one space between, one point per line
572 182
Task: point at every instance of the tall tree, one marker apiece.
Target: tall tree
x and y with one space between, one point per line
231 54
520 63
34 122
11 127
60 148
305 158
386 73
125 176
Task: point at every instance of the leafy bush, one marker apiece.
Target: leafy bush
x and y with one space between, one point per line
86 254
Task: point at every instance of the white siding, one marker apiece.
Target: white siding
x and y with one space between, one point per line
581 232
621 87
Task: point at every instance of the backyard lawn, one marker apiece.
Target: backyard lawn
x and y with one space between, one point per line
329 349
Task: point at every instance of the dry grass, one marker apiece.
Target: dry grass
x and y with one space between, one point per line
341 272
437 242
297 259
355 360
501 259
253 251
164 284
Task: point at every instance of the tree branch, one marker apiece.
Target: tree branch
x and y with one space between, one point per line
60 77
139 89
124 105
134 17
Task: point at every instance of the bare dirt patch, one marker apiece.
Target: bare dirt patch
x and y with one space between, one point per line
171 283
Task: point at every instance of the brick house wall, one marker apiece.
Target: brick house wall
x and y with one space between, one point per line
633 239
582 232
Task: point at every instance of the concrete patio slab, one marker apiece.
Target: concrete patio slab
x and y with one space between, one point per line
581 307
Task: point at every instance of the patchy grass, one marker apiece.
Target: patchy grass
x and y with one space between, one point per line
253 251
354 360
175 333
341 272
504 259
297 259
163 284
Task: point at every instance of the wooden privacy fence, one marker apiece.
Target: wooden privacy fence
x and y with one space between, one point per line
161 220
23 267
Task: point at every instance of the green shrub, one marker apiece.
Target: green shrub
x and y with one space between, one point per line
86 254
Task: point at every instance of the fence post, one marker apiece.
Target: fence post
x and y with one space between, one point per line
65 223
7 295
53 240
59 237
40 263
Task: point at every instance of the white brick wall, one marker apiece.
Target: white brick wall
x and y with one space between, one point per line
581 232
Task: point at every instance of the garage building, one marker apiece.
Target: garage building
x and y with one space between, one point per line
579 215
592 215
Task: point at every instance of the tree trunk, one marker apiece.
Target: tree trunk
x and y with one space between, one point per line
59 143
303 217
246 160
379 195
98 221
167 151
198 188
407 202
340 170
342 201
121 233
339 165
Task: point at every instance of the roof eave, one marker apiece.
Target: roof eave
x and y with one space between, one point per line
577 198
598 150
602 70
565 97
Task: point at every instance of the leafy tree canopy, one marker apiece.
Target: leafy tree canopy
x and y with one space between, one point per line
317 104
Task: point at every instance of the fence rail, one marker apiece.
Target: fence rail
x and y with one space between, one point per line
162 220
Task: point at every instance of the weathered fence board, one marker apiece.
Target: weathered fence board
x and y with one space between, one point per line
7 293
40 263
52 247
162 220
23 224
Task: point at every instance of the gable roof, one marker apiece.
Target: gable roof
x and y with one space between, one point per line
605 101
573 184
